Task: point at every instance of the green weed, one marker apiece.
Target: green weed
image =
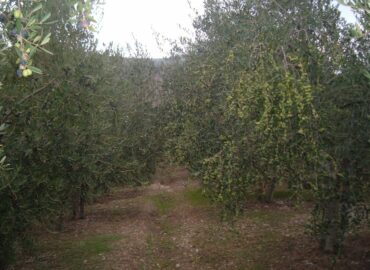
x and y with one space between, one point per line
164 203
196 197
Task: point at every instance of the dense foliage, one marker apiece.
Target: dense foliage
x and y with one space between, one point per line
276 92
85 124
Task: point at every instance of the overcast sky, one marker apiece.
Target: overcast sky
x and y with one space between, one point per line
127 20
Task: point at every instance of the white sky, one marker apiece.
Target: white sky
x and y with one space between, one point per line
127 20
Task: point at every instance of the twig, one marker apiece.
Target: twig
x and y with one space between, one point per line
35 93
26 98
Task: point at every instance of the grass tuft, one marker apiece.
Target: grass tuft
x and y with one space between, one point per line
81 254
196 197
164 203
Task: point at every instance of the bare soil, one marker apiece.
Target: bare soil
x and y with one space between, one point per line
170 225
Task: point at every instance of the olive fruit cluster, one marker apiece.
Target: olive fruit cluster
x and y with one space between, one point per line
18 14
24 62
84 22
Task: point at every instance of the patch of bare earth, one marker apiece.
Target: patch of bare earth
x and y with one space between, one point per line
161 226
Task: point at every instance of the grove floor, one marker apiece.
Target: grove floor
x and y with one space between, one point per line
171 225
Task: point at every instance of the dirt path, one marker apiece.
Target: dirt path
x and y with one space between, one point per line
171 225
